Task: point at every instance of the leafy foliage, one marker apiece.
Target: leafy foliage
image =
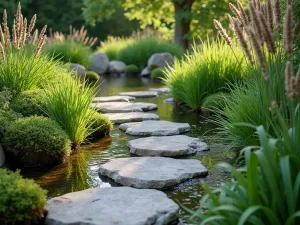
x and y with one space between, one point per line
101 125
21 200
6 119
29 103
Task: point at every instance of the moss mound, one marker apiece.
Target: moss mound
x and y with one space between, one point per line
92 76
101 125
21 200
37 141
6 119
29 103
131 69
158 73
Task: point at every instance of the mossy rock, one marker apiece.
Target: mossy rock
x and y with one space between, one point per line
22 201
101 125
6 119
215 101
36 141
132 69
29 103
92 76
158 73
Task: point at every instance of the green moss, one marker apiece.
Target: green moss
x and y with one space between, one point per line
215 101
21 200
29 103
158 73
92 76
6 118
130 69
101 125
37 141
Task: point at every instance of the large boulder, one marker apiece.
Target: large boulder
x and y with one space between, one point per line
99 63
2 156
160 60
78 70
116 66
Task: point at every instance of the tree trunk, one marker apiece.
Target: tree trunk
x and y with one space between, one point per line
182 23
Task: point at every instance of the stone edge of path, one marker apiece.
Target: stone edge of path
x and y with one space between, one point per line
133 117
116 98
140 94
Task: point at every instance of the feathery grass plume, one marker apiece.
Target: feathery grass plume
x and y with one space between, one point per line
236 12
277 14
41 43
18 20
268 34
231 26
5 29
273 106
243 13
255 20
43 31
31 25
15 38
24 33
35 37
270 15
297 26
2 54
223 33
289 77
297 85
259 53
242 40
2 37
288 31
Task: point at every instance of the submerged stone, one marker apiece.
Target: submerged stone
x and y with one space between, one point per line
121 107
114 99
111 206
168 146
152 172
160 90
140 94
155 128
118 118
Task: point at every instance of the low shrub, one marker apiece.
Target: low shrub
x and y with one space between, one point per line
208 70
6 119
5 98
139 51
158 73
92 76
132 69
69 51
37 141
215 101
22 201
101 125
29 102
68 103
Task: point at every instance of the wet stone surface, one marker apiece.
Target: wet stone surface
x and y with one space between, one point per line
118 118
122 107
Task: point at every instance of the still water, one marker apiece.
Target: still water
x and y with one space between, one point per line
80 171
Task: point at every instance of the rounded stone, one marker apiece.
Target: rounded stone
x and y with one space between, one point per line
99 63
78 70
118 118
116 66
167 146
114 99
121 107
111 206
160 90
152 172
155 128
140 94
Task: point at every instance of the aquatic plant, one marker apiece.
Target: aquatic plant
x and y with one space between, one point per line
37 141
205 71
21 200
101 125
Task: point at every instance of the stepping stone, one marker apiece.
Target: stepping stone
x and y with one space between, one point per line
114 99
140 94
170 100
155 128
111 206
121 107
168 146
160 90
151 172
119 118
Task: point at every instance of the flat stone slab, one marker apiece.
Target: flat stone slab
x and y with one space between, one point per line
140 94
160 90
118 118
155 128
152 172
121 107
170 101
114 99
111 206
167 146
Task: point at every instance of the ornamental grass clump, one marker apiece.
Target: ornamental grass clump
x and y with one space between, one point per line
68 103
22 201
207 70
266 190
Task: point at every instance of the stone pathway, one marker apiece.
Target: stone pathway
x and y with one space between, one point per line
121 107
151 172
167 146
111 206
140 94
114 99
155 128
160 90
118 118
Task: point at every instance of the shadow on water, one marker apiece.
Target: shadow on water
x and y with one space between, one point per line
81 170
